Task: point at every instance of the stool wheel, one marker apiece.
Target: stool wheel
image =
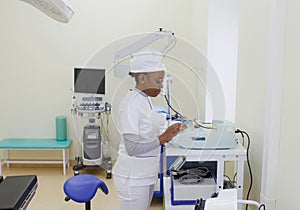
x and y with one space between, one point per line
108 175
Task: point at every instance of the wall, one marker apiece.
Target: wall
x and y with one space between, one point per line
222 51
288 170
251 89
38 55
251 82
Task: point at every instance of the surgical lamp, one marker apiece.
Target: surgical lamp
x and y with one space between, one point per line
56 9
121 70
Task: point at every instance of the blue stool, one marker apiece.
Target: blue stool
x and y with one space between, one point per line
82 188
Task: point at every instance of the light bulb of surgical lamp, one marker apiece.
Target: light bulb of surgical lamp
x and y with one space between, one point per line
56 9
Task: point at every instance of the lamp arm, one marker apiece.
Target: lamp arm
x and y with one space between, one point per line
140 44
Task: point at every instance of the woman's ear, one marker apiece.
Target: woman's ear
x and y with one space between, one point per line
142 78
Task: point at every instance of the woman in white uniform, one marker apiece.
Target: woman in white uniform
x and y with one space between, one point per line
135 171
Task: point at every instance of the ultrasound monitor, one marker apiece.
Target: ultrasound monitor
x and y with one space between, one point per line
88 80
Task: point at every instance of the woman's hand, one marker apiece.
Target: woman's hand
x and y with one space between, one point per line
171 131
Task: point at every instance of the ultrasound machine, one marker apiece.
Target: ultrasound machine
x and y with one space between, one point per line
87 106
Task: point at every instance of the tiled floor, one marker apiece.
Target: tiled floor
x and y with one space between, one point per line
50 195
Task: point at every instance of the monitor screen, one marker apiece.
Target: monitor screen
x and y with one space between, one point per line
87 80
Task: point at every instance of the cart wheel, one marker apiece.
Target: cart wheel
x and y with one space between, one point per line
76 173
108 175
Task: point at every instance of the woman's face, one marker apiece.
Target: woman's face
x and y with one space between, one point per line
152 83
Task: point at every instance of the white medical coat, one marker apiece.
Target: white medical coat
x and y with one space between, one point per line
136 116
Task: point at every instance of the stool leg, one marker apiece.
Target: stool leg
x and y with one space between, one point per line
88 205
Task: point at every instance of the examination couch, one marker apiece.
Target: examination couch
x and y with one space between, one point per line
17 191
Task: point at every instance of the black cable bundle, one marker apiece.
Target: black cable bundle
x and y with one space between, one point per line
177 114
248 162
192 175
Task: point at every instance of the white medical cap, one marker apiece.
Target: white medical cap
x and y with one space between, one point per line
146 62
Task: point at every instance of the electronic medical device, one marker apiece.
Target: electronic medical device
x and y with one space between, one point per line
219 134
95 148
88 80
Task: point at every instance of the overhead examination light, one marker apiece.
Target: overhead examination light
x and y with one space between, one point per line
56 9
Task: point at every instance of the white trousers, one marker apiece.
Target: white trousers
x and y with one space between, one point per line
133 197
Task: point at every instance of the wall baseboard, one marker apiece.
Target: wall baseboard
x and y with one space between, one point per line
269 203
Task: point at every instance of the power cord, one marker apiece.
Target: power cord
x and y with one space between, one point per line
248 162
262 206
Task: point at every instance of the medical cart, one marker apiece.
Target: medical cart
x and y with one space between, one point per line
175 200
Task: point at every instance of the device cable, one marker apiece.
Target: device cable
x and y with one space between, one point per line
191 175
106 139
79 144
234 176
202 125
248 162
262 206
169 105
228 184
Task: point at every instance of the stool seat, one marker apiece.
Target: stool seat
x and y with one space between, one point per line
82 188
